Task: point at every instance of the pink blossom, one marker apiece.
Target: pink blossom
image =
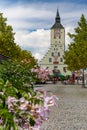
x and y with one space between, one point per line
38 112
49 101
22 99
1 121
42 74
10 101
23 106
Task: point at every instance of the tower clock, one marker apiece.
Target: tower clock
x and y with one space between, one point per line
57 33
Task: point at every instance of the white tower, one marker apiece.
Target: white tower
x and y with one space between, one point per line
53 59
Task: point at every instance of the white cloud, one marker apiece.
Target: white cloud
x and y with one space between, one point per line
39 40
39 16
67 39
38 56
28 15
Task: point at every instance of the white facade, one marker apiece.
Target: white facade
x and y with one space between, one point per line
53 59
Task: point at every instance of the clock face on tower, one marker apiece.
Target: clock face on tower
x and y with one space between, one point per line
57 33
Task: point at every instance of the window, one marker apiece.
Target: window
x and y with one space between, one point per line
50 59
59 37
52 54
64 69
55 67
61 59
58 53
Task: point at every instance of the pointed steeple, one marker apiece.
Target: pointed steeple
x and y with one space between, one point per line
57 19
57 24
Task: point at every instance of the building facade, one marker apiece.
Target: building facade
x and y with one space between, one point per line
53 59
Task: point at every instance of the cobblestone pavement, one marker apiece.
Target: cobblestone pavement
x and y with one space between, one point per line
71 113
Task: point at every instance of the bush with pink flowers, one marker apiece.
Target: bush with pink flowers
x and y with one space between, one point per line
27 112
20 105
42 74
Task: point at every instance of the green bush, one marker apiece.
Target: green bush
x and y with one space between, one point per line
16 81
19 75
11 104
63 77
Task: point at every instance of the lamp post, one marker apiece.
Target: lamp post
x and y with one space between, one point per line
83 82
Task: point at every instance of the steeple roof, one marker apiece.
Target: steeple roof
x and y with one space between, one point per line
57 24
57 19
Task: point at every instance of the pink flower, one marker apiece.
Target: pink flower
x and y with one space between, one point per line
22 99
11 102
42 74
23 106
1 121
49 101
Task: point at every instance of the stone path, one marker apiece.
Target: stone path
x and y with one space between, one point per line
71 113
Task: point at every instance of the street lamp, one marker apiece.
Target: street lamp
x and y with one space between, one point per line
83 82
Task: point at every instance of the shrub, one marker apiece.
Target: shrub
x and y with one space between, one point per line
20 105
28 112
42 74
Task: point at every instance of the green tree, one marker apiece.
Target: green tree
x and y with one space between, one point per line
7 45
26 57
76 55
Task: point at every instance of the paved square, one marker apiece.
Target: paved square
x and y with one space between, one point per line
71 113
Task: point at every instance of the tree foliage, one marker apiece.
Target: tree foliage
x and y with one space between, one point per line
76 55
19 75
8 47
26 57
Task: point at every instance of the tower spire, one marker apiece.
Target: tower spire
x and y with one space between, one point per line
57 23
57 19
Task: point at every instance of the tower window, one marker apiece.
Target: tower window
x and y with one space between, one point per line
60 37
52 54
58 53
55 67
61 59
64 69
47 67
50 59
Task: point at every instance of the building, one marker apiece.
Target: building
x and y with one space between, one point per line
53 59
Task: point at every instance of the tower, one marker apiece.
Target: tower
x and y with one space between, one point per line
53 59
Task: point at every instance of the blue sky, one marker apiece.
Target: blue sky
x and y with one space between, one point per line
31 20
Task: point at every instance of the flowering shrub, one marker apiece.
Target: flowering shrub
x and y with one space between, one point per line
19 74
42 74
20 105
28 112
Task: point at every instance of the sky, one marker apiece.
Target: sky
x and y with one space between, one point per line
31 21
